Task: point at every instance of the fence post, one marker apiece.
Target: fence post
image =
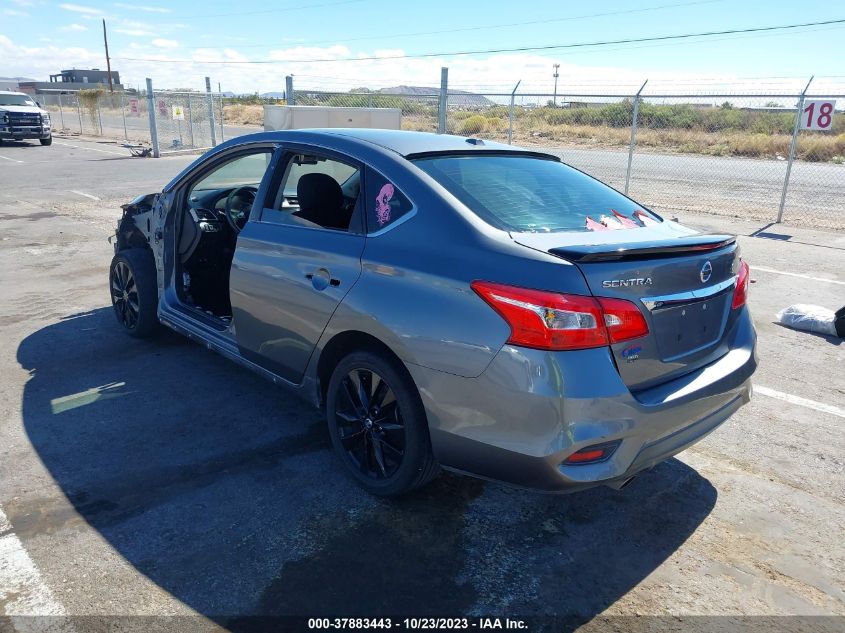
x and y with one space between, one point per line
210 98
289 97
61 113
795 130
370 100
151 111
99 117
510 113
444 90
123 113
633 135
191 122
79 112
220 101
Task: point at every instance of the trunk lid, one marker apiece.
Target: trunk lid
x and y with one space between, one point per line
682 282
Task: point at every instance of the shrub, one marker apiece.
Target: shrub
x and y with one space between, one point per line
90 98
474 124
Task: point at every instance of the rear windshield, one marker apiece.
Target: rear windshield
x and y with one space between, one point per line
527 194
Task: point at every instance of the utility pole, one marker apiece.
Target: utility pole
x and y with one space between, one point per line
108 61
554 99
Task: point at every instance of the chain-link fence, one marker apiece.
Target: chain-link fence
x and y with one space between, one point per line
182 120
718 154
419 111
746 155
188 120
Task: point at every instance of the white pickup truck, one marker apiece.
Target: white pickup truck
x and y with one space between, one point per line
21 117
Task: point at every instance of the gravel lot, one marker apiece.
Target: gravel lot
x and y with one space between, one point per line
156 478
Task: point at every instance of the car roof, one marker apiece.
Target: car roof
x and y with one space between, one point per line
12 92
403 142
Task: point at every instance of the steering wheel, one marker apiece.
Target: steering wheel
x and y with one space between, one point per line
238 206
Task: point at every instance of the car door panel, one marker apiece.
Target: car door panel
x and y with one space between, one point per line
286 282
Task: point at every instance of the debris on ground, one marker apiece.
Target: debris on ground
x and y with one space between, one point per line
811 318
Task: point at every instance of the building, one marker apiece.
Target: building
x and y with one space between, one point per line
72 80
93 76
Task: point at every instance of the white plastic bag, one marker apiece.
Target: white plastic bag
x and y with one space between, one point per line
809 318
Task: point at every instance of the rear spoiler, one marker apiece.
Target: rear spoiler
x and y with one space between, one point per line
654 249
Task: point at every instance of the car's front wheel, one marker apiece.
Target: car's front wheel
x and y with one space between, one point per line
134 291
46 141
378 425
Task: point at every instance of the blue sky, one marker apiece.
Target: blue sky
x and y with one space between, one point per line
181 37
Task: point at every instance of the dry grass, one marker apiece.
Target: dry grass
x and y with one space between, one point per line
811 147
240 114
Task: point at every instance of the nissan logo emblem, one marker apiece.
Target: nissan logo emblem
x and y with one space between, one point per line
706 271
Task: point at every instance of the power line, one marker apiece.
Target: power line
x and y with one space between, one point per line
383 36
517 49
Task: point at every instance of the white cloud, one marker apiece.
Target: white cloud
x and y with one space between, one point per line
24 3
142 7
15 13
160 42
73 27
170 68
78 8
135 32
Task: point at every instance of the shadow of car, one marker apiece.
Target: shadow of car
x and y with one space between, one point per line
223 490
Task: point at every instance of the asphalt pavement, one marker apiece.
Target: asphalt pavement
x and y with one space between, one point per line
155 478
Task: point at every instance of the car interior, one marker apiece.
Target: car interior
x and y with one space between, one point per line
312 191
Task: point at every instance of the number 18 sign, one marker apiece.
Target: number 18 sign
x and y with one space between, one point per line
817 115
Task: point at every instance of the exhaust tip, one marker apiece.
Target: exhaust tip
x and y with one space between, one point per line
620 484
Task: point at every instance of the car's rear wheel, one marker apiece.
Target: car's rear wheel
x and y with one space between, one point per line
378 426
134 291
46 141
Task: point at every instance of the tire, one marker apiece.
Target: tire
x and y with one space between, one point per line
134 291
46 141
385 430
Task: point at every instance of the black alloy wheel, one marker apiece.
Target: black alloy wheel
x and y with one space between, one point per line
378 424
370 423
124 295
134 291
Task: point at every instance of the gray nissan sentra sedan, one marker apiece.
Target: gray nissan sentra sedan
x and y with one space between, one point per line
449 302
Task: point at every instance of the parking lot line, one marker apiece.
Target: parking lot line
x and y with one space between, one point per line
810 277
91 149
798 400
22 590
11 159
87 195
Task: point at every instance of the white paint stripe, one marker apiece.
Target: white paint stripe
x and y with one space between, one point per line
87 195
782 272
801 402
11 159
22 590
90 149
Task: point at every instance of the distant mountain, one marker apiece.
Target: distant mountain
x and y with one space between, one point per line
16 79
273 95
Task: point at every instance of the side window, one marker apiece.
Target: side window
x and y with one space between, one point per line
318 192
385 203
244 171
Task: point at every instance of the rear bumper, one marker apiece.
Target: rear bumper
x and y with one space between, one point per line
520 419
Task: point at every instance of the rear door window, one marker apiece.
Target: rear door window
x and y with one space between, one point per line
531 194
385 203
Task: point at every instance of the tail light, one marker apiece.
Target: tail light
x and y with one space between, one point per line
554 321
741 290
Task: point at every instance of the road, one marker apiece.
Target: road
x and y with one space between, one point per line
156 478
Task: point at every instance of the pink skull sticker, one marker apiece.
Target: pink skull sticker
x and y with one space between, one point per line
382 204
